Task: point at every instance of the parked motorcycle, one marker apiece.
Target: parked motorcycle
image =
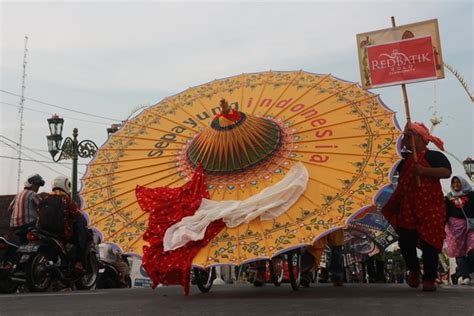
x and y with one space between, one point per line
8 258
45 258
110 276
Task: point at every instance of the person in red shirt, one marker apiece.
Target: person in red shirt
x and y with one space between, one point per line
416 209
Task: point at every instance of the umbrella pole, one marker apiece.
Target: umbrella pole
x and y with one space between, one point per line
408 117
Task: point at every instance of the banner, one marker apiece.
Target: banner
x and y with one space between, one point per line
402 54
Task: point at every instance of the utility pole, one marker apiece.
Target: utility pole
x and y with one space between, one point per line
20 111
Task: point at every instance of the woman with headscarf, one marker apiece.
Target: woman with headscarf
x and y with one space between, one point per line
416 208
460 239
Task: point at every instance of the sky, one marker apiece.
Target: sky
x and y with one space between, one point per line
107 58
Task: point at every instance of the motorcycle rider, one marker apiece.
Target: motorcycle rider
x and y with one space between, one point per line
24 207
75 224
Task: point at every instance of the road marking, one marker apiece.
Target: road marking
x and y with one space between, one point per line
72 293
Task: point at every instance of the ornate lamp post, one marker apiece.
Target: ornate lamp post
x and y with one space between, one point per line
70 148
469 167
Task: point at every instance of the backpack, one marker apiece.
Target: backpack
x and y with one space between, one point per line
51 215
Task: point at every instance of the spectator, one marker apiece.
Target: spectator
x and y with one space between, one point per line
460 239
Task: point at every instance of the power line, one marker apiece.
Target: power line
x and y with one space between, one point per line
41 155
23 146
62 107
49 113
34 151
38 149
33 160
41 163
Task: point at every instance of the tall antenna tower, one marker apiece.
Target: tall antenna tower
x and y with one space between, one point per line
20 111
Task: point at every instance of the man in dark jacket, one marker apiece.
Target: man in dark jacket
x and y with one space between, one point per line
74 224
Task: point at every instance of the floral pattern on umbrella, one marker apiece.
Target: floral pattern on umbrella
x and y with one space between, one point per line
346 138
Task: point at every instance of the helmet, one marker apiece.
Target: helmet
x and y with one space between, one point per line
34 179
62 183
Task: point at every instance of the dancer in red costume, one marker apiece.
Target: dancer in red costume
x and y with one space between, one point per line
418 212
168 206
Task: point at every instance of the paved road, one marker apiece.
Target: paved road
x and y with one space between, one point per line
322 299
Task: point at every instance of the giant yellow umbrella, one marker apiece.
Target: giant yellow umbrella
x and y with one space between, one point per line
343 135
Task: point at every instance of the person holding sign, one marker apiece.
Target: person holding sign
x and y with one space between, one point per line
417 209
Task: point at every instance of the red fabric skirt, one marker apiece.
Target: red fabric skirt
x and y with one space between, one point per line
421 208
168 206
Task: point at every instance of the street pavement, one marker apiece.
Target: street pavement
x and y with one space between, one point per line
243 299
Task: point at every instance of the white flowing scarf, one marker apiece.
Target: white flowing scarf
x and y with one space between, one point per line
268 204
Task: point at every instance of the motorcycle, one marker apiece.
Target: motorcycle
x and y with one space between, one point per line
46 258
8 257
109 276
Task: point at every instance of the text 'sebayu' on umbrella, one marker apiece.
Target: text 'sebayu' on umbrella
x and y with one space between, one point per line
344 137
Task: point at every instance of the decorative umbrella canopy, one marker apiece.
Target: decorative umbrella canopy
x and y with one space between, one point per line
345 137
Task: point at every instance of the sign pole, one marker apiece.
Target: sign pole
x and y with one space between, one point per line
407 113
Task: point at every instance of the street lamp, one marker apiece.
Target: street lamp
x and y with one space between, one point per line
70 148
469 167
